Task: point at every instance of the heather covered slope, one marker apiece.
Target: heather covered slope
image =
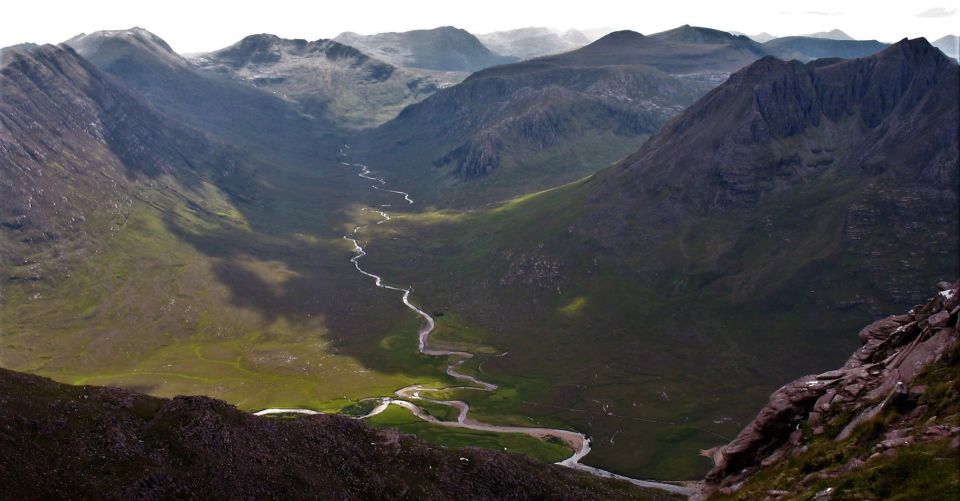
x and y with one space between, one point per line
88 441
325 77
693 268
79 150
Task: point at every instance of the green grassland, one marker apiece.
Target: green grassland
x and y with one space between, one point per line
402 420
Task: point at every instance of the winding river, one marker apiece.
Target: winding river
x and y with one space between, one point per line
578 441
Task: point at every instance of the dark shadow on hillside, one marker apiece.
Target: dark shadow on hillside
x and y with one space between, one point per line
286 200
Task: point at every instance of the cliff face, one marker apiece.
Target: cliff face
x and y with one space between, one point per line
895 397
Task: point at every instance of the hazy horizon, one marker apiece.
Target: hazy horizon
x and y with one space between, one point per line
192 27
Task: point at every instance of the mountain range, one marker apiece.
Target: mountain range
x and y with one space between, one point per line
325 77
172 84
570 111
566 114
481 136
637 239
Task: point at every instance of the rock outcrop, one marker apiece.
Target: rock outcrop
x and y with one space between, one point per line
878 376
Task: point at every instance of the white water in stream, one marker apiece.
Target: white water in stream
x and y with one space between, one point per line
578 441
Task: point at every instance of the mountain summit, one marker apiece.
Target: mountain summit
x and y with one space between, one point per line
834 34
327 78
103 48
690 51
839 103
696 35
440 49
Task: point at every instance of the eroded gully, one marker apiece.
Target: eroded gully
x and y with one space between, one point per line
578 441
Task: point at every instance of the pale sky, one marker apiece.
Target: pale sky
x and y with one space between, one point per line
198 25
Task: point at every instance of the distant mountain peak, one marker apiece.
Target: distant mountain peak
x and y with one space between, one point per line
266 48
103 47
446 48
533 41
698 35
261 37
834 34
141 35
761 37
618 39
950 45
914 51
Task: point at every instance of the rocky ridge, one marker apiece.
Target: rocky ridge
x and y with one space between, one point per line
877 384
441 49
324 77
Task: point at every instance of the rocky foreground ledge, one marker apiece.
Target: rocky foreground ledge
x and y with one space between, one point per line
886 423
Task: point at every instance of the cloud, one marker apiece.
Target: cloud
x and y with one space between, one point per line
937 12
821 13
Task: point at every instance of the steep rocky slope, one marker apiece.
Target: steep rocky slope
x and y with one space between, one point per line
441 49
874 139
77 149
885 425
108 443
325 77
